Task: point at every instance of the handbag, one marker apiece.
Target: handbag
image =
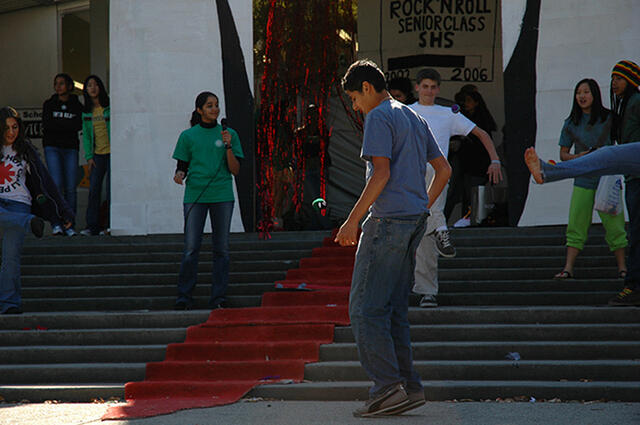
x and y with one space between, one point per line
608 198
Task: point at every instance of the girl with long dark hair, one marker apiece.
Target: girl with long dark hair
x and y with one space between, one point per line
61 121
96 130
28 195
208 157
588 128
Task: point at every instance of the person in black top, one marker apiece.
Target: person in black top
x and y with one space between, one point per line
61 121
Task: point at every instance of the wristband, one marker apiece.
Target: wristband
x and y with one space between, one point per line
227 146
496 161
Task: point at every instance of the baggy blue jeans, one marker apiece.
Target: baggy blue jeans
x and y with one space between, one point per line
63 168
618 159
379 300
15 219
195 216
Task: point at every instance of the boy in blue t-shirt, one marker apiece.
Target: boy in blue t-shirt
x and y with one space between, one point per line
397 145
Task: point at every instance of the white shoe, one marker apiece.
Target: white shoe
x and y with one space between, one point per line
463 222
70 232
85 232
56 230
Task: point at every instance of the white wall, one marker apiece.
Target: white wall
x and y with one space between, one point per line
163 53
577 39
29 52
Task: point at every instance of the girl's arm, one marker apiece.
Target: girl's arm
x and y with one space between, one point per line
232 161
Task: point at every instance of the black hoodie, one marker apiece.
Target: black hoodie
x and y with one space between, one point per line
61 122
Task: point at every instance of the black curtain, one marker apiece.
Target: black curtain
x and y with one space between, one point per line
239 105
520 109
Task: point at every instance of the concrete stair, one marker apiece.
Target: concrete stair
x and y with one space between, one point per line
97 309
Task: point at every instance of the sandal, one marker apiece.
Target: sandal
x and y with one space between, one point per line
564 274
622 274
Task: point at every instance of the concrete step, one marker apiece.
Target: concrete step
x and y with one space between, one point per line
490 332
149 278
504 370
159 257
47 354
71 373
60 392
125 302
133 336
497 350
141 267
459 390
102 320
202 289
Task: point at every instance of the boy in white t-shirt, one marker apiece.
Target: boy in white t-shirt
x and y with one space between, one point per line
444 122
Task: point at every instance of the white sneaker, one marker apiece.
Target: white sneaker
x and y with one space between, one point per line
70 232
56 230
463 222
85 232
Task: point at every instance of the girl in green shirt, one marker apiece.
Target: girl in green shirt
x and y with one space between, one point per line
208 156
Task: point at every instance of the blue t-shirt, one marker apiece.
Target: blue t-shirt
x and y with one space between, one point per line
584 137
392 130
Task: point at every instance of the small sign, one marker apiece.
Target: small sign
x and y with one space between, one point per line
32 119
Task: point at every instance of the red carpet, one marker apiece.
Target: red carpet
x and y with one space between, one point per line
236 349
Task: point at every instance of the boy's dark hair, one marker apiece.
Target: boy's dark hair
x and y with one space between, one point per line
68 81
361 71
428 73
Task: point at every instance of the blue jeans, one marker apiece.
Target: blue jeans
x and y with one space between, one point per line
15 222
618 159
379 300
632 195
63 168
195 216
102 169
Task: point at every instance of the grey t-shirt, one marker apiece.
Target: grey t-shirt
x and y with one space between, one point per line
392 130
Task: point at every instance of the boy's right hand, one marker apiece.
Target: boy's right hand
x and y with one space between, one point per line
179 177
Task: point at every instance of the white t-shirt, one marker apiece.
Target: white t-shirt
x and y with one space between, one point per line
444 123
13 177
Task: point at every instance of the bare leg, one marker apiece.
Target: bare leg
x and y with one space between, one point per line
620 259
533 163
572 253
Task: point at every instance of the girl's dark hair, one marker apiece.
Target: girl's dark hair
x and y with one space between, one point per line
481 115
20 145
103 96
66 77
201 99
618 106
598 112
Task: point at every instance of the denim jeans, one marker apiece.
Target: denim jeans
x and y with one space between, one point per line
63 168
632 195
195 216
15 222
98 173
618 159
379 300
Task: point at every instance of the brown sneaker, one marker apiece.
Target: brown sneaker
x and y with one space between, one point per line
627 296
416 399
392 399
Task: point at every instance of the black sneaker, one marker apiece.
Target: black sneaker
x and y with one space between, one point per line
13 310
416 399
392 399
181 305
37 227
428 301
627 296
443 243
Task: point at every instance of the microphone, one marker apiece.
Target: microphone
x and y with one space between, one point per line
223 122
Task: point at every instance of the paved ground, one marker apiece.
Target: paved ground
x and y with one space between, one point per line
315 412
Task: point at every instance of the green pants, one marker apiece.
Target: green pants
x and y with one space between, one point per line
580 213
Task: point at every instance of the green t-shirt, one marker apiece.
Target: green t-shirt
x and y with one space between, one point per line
204 150
585 136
